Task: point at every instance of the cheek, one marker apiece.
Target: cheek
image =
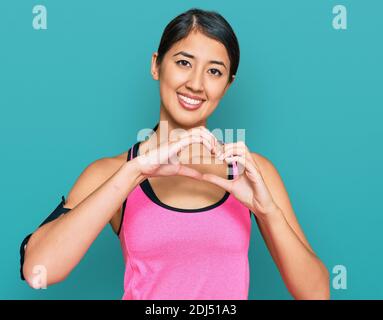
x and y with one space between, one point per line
214 90
171 77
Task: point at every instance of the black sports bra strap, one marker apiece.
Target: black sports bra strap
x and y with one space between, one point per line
135 149
129 155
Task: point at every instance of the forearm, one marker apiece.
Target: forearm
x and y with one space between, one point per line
305 276
60 245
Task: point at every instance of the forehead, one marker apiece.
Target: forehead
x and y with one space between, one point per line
202 47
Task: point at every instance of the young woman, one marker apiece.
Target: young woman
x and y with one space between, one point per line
185 231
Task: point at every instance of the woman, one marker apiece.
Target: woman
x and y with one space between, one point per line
185 232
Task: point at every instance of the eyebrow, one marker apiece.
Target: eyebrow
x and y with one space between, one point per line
188 55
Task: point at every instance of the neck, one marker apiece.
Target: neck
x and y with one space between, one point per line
168 130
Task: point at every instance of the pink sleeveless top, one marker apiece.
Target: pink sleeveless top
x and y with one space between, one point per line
184 254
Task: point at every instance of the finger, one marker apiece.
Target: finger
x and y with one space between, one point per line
214 141
251 171
239 145
231 150
176 147
198 132
174 159
208 135
196 138
166 152
201 130
219 148
234 149
189 172
239 165
212 138
163 153
221 182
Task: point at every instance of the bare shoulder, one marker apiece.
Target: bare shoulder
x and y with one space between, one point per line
264 164
272 178
94 175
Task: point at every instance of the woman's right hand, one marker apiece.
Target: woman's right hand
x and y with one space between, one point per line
163 160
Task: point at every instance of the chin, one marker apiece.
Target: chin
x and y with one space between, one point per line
187 122
181 115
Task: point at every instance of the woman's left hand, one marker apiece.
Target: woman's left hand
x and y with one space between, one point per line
248 186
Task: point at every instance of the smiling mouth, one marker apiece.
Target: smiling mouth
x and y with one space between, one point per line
188 103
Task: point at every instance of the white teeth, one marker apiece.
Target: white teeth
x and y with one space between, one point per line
188 100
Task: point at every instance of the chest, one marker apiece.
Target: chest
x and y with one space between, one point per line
150 231
184 192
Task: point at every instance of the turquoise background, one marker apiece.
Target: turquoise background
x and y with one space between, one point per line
310 98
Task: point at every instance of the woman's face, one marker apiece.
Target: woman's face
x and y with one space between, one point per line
196 67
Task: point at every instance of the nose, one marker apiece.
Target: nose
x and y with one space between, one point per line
195 82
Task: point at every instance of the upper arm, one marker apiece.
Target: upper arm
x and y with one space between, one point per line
87 182
93 176
279 193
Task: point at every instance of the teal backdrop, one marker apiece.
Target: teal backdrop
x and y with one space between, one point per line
309 96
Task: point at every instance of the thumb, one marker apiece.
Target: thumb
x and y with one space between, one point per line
221 182
189 172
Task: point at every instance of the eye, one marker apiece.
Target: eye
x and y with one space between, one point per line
182 63
216 72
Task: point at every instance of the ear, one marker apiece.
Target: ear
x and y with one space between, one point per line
154 68
228 85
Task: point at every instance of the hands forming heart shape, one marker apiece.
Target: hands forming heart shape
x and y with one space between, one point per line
248 185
